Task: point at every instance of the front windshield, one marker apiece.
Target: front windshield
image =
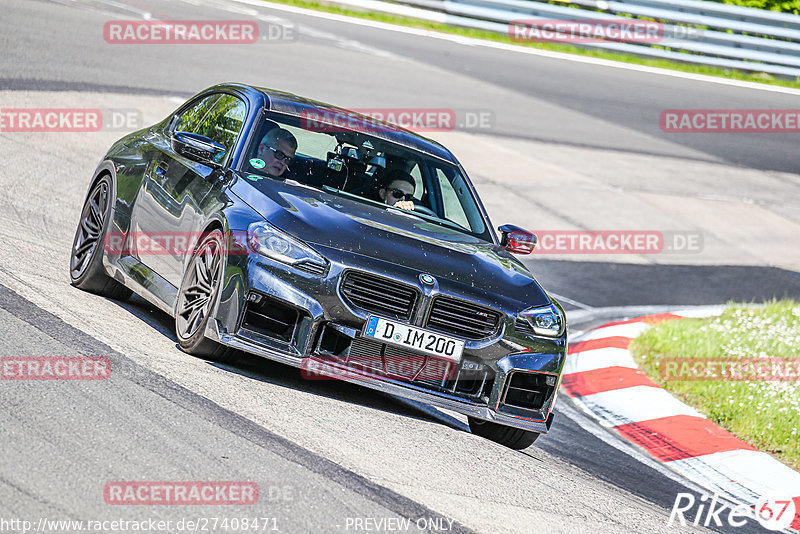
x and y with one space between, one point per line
365 168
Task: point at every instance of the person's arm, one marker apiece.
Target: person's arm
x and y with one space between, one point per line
407 205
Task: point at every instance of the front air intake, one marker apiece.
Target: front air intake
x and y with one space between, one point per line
272 318
528 391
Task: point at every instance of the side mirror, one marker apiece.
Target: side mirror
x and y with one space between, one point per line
516 240
198 148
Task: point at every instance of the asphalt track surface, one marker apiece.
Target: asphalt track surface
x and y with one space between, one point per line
163 416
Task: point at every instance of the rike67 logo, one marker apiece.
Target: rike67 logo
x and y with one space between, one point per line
775 512
772 511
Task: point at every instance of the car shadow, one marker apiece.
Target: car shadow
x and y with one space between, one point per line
279 374
264 370
150 314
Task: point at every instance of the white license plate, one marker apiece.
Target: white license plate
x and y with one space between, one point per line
414 338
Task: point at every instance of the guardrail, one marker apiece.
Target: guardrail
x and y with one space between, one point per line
691 31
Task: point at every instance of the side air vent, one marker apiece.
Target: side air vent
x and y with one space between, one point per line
271 318
312 268
528 391
523 327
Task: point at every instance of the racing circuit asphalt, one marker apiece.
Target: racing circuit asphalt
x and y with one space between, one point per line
327 451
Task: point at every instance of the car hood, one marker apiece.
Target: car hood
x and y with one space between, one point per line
337 223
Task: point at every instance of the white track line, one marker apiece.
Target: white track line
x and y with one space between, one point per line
573 302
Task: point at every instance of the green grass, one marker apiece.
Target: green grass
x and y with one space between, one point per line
784 6
501 38
763 413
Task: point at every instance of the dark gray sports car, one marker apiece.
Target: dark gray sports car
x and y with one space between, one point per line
326 240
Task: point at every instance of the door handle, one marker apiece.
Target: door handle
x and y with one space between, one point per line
161 169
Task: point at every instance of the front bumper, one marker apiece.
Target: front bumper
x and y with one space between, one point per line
509 360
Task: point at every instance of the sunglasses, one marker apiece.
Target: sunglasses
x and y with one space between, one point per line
280 156
398 194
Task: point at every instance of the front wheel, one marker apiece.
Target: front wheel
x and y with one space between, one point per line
513 438
86 260
196 298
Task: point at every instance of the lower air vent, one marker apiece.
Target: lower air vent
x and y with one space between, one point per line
527 390
397 363
271 318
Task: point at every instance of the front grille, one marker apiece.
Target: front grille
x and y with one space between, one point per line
463 319
398 363
471 378
377 294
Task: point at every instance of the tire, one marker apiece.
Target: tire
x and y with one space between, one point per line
86 258
513 438
196 298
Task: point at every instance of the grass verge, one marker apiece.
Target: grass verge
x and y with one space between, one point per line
496 37
766 414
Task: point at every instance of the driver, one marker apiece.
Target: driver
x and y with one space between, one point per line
398 190
277 149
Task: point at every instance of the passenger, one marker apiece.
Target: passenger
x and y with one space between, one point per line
398 190
277 148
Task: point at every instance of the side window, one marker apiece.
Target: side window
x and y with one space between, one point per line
453 210
224 122
192 117
420 186
218 117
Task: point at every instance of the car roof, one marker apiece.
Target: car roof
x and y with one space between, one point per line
291 104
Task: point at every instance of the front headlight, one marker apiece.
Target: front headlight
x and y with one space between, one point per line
277 245
545 321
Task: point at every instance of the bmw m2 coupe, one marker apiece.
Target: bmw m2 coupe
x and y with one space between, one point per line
350 248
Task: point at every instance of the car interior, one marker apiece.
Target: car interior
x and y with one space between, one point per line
355 166
358 164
